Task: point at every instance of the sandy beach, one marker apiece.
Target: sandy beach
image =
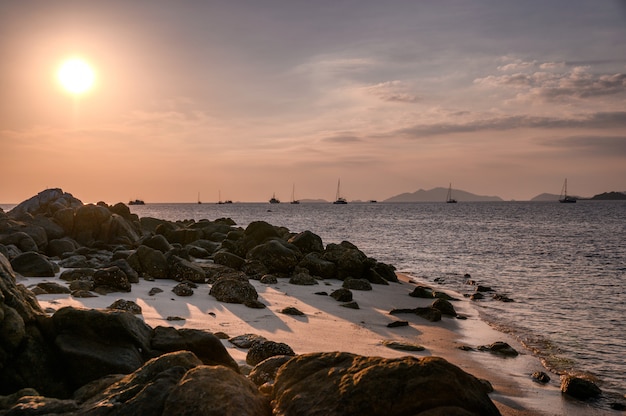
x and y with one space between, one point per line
327 326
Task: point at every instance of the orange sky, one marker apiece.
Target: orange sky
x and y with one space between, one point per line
499 98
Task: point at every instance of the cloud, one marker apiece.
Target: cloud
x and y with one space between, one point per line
342 139
600 120
550 86
392 91
590 145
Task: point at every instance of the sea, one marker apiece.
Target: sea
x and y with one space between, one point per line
562 265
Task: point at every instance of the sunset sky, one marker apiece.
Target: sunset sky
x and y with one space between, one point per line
248 97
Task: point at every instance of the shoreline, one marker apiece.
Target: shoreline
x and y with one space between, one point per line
326 326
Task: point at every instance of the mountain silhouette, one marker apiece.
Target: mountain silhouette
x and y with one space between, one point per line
439 195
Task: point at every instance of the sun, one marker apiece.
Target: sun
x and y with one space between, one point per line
76 76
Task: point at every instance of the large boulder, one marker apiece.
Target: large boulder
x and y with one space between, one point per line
180 269
88 221
95 343
307 242
149 262
230 290
58 247
19 239
277 257
216 391
350 261
112 279
343 383
206 346
31 264
579 387
46 202
317 266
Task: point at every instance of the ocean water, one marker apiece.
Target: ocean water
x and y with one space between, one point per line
564 265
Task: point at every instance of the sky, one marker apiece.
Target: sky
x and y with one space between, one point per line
243 99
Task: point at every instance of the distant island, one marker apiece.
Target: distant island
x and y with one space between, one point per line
605 196
439 195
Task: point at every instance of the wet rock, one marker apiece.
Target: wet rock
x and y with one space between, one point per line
578 387
540 377
502 298
500 348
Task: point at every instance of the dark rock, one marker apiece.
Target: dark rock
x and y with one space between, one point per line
350 305
215 390
431 314
387 271
60 246
307 242
275 256
112 278
180 269
149 262
19 239
246 340
123 265
53 288
540 377
96 343
351 385
269 279
233 291
477 296
578 387
442 295
444 306
303 279
258 232
154 291
125 305
357 284
317 266
88 223
174 318
349 260
396 324
481 288
263 350
341 295
265 371
322 293
502 298
158 242
182 289
618 406
422 292
83 293
402 346
373 277
39 405
31 264
254 269
75 261
205 345
500 348
290 310
229 259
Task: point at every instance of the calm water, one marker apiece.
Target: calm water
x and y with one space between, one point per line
563 264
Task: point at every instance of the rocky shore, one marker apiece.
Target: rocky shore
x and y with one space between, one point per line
110 361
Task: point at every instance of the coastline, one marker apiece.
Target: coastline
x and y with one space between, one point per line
326 326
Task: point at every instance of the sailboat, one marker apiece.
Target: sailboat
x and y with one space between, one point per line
219 199
564 198
293 195
339 200
199 202
449 198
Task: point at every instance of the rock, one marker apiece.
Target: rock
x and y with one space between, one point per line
254 269
95 343
88 222
205 345
258 232
422 292
265 371
396 324
154 291
500 348
149 262
82 293
348 384
350 305
477 296
290 310
131 274
246 340
31 264
307 242
402 346
578 387
341 295
125 305
481 288
60 246
8 401
444 306
229 259
431 314
303 279
357 284
387 271
269 279
233 291
540 377
502 298
22 241
265 349
53 288
182 289
215 391
112 278
39 405
349 260
180 269
317 266
158 242
275 256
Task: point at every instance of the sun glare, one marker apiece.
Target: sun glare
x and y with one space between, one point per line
76 76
